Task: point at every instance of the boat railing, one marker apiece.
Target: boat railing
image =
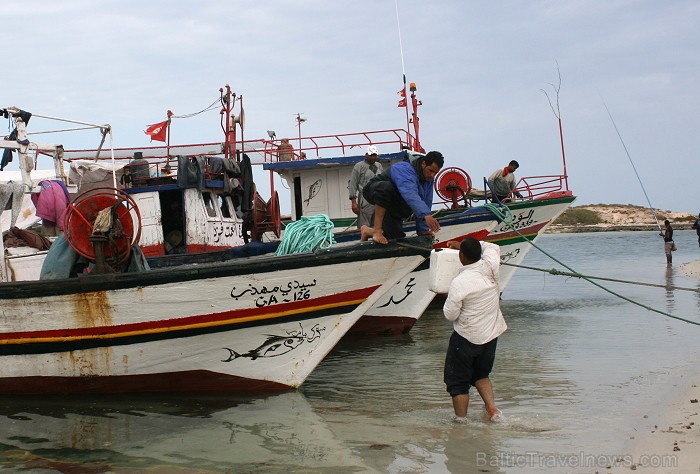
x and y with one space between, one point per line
160 163
529 188
538 187
323 146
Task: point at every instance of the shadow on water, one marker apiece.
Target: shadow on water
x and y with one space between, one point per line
670 297
198 434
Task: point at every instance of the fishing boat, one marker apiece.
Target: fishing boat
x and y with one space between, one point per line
215 213
462 207
107 322
250 324
197 201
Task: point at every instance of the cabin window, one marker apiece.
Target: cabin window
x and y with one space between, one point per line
225 207
209 204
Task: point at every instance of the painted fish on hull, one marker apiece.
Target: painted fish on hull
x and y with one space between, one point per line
278 345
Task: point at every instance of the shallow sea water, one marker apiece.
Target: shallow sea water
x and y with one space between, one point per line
575 374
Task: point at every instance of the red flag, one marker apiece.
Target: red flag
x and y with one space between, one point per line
402 92
157 131
402 102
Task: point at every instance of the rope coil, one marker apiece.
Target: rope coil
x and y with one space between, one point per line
306 235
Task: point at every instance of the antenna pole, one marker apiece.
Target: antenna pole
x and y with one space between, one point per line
404 97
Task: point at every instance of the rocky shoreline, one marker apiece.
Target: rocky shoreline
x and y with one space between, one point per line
618 217
560 228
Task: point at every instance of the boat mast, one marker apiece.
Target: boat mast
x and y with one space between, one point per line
415 103
23 145
557 113
228 125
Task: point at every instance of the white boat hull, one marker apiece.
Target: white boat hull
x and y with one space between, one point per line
176 331
398 310
530 219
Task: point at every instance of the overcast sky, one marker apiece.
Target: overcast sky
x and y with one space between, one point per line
480 67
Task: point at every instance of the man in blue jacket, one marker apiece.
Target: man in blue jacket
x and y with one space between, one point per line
405 188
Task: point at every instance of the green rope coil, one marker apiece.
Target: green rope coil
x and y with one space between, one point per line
502 212
306 235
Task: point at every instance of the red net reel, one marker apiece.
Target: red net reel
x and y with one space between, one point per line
266 216
79 221
453 183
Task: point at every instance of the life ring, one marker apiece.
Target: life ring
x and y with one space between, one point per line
79 221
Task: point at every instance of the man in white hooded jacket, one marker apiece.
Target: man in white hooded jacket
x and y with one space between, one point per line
473 303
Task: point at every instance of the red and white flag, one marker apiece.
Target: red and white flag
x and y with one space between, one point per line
402 93
157 131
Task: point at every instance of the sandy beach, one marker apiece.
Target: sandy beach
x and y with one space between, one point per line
668 441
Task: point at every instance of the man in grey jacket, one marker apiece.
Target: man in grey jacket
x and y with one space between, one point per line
362 172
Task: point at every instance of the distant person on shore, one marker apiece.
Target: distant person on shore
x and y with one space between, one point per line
502 182
696 226
362 172
473 304
403 189
669 246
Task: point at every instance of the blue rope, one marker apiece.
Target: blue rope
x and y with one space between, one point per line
306 235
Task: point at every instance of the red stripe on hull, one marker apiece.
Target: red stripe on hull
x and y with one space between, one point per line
158 250
188 381
478 235
527 231
297 307
382 325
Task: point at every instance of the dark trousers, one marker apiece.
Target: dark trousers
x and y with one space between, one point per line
385 194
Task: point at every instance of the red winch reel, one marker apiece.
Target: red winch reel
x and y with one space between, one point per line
266 216
451 184
79 221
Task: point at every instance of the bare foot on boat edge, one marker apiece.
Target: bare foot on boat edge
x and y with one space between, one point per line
365 233
379 238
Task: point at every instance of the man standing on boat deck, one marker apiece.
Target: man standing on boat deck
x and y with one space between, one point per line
403 189
362 172
502 182
473 304
285 150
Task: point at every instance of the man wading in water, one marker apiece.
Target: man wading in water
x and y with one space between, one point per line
473 304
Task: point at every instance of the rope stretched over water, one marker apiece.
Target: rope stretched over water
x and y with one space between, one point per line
306 235
554 271
507 217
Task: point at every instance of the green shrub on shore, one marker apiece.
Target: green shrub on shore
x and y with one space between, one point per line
574 216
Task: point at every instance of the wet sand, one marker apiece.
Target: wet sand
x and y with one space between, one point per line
669 441
692 269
